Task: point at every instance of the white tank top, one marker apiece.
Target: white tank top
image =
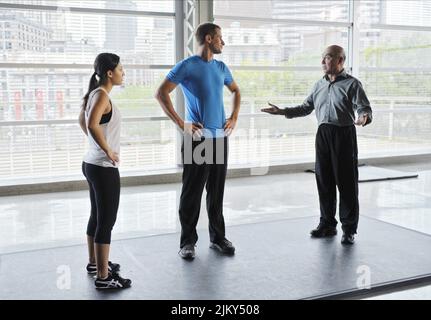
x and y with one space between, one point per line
111 131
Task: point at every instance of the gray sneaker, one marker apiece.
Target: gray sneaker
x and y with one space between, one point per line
187 252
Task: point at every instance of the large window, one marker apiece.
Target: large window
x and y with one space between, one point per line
273 47
46 59
395 68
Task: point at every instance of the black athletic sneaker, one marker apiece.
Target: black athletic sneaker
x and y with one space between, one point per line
113 281
112 268
348 238
323 231
224 246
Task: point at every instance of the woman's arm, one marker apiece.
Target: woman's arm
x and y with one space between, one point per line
100 105
82 121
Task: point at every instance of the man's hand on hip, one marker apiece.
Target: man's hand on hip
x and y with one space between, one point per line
229 126
193 129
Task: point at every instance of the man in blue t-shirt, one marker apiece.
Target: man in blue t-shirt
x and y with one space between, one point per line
206 130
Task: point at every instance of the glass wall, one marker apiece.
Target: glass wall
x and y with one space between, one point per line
273 48
395 68
46 58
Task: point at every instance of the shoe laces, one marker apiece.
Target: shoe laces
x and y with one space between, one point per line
227 242
116 276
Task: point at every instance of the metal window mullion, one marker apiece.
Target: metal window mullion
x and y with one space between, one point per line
354 36
286 21
190 23
395 69
72 121
180 15
395 27
275 68
35 65
423 108
86 10
206 11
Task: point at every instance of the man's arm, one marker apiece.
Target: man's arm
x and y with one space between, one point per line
162 96
302 110
231 121
362 105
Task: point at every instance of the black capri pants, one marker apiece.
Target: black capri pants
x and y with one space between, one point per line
104 184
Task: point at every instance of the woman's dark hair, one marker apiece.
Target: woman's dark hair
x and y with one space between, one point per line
103 63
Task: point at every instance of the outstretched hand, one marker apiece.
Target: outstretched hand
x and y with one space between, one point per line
273 109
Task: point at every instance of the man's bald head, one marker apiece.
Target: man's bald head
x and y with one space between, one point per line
333 59
336 51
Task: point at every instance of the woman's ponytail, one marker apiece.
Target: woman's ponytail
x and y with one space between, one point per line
93 84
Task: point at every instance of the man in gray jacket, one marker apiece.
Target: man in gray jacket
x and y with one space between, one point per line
335 98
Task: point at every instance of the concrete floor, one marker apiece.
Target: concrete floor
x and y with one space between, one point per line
59 219
275 260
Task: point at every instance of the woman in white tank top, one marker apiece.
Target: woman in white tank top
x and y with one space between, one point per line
101 121
110 130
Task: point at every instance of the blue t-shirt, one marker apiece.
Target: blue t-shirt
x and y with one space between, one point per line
202 83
